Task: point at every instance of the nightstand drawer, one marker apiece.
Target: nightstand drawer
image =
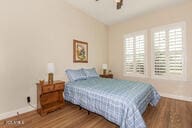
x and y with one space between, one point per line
107 76
49 98
59 87
47 88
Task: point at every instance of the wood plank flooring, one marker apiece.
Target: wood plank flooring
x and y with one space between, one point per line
169 113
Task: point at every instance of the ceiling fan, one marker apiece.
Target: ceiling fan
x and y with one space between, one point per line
119 3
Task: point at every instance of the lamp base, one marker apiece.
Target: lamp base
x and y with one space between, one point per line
50 78
104 71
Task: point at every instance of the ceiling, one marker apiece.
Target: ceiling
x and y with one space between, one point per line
105 10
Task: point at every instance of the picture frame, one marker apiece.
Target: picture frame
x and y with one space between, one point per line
80 51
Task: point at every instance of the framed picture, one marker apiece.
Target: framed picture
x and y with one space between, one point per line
80 52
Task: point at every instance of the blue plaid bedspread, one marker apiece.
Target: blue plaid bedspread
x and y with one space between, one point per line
120 101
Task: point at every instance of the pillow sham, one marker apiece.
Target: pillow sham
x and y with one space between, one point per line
74 75
91 73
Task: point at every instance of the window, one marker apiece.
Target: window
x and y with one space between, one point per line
134 54
168 51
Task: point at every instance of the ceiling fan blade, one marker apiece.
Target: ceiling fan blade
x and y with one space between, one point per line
119 4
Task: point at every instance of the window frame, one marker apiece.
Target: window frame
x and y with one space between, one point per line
134 34
183 76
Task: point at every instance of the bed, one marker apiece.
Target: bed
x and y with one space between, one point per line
119 101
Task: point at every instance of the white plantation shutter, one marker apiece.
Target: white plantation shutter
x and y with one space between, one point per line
139 54
129 55
134 54
168 52
160 53
176 51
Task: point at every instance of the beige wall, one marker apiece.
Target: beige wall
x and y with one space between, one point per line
146 22
35 32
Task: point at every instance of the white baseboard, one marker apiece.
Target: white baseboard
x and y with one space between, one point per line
14 112
172 96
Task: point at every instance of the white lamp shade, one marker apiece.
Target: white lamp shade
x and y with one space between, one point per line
117 1
51 67
104 66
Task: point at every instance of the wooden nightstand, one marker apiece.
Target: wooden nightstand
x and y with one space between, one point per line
50 97
107 76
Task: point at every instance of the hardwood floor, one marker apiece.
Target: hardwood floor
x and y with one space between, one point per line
169 113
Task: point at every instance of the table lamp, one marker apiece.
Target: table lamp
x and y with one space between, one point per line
104 67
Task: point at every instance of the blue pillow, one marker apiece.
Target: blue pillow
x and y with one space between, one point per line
74 75
91 73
